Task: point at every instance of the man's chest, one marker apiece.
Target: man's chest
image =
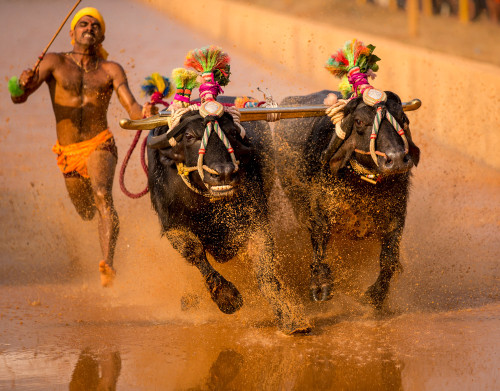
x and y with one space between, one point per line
76 81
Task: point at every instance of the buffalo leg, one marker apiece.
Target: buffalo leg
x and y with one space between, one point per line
321 276
389 264
290 317
222 292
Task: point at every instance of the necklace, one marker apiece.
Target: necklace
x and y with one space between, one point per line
83 54
70 54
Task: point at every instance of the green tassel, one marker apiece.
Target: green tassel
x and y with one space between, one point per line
14 87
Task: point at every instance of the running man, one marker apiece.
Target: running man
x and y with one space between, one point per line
81 83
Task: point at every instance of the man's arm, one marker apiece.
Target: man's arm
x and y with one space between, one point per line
127 100
30 81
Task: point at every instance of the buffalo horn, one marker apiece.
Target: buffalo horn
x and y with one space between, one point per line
252 114
159 142
144 124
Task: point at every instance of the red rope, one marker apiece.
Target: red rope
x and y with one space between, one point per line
143 163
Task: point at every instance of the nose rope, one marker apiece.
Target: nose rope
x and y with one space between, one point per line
379 116
203 147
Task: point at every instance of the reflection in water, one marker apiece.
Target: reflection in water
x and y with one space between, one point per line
96 371
282 368
222 372
325 372
382 373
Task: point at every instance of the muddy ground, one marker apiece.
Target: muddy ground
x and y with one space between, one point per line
59 329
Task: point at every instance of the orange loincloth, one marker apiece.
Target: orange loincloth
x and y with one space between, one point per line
73 158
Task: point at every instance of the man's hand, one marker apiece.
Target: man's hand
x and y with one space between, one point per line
28 79
149 110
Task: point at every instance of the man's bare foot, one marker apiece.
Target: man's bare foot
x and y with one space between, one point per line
107 274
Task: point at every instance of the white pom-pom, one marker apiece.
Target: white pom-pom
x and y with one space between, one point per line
330 100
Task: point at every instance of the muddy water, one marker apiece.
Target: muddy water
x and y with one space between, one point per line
157 329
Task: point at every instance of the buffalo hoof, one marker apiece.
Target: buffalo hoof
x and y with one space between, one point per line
321 293
296 328
292 323
375 295
321 284
224 293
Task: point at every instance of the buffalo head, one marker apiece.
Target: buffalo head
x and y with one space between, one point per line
388 152
210 164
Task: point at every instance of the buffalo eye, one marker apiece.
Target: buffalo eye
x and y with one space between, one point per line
360 126
189 137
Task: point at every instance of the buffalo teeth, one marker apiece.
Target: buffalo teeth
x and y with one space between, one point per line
221 188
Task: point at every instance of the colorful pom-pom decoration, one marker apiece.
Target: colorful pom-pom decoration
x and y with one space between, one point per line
185 82
14 88
157 87
210 59
351 64
242 102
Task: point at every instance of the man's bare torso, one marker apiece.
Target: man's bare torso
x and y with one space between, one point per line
80 97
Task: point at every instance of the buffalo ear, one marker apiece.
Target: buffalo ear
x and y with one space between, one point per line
414 152
343 154
341 157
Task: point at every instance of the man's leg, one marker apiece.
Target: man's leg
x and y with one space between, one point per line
80 193
101 166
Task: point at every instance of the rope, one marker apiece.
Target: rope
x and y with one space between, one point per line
382 113
183 172
235 113
173 120
204 141
125 163
336 114
364 173
375 128
399 130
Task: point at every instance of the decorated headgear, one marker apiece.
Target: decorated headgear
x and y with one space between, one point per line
157 87
213 64
354 63
90 11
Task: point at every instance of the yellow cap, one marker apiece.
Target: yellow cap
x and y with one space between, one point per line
90 11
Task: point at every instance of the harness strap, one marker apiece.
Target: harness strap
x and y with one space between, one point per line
183 172
364 173
214 125
369 153
382 113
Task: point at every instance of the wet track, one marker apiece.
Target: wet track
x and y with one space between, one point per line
157 328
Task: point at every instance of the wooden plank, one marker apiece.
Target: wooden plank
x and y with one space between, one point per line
252 114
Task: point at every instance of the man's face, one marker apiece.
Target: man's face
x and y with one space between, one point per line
87 31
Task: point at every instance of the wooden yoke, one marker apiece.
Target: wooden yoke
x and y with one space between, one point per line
251 114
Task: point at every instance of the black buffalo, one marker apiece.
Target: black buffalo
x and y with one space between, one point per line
336 188
220 213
